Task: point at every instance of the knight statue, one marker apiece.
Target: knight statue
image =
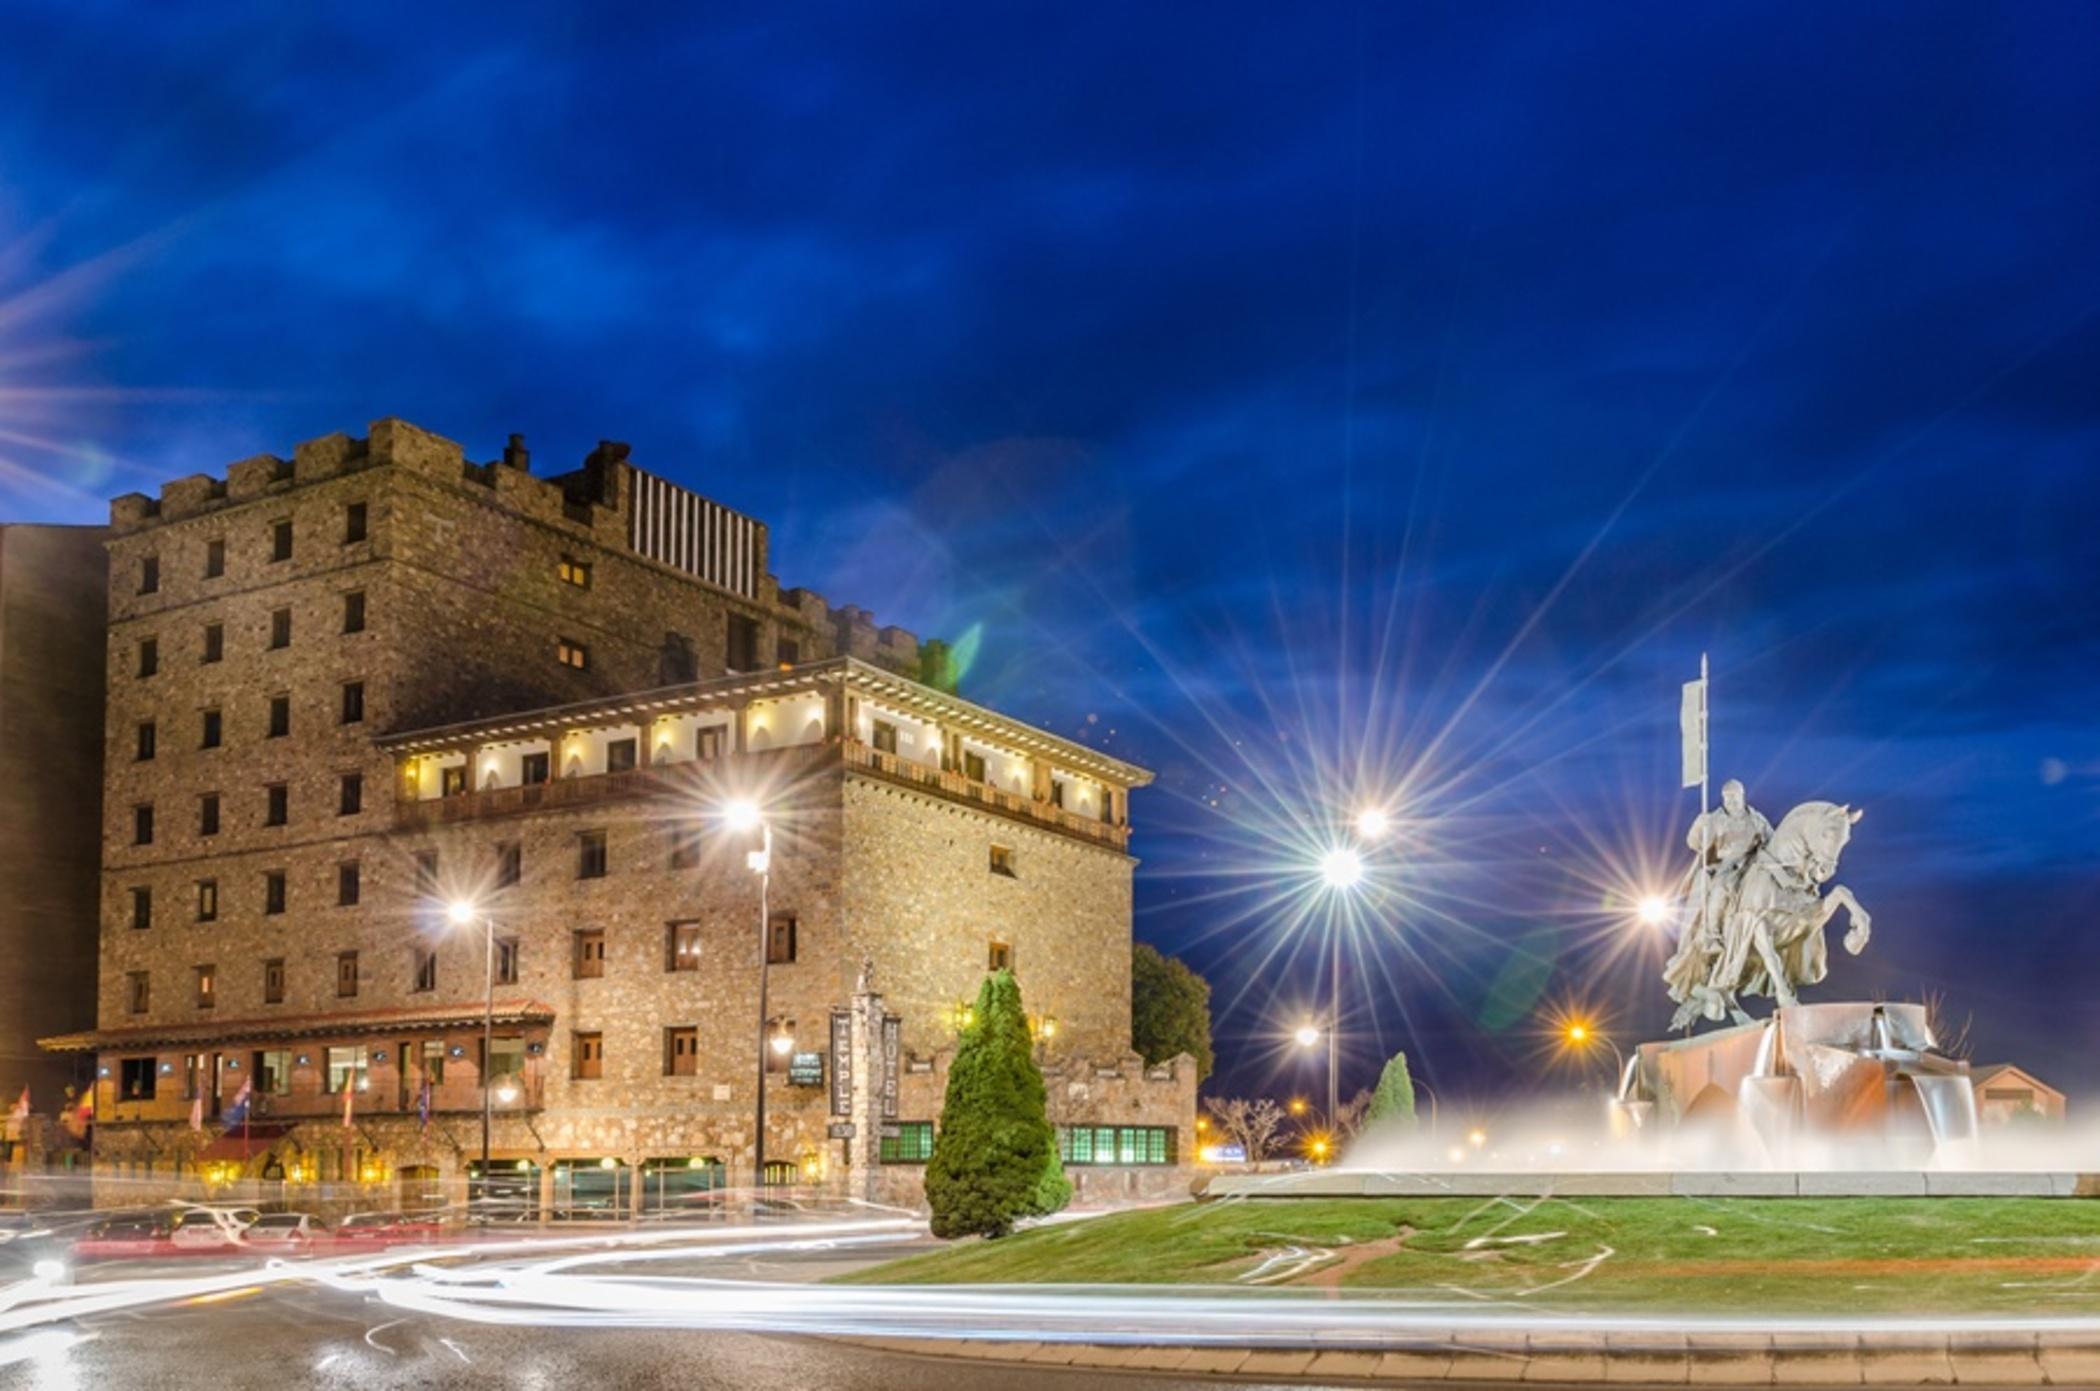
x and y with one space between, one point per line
1759 906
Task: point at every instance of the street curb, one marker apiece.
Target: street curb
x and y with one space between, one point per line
1724 1359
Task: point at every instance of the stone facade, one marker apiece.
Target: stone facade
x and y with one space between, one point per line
550 721
52 597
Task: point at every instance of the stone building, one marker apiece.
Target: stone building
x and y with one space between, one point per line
377 680
52 599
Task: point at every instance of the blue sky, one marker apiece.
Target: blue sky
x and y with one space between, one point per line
1303 402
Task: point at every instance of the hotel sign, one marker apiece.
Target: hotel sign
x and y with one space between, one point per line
892 1045
806 1070
841 1063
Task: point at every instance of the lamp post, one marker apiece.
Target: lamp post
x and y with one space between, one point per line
1342 869
746 817
1581 1035
462 912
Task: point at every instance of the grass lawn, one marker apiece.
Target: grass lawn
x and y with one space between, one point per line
1739 1255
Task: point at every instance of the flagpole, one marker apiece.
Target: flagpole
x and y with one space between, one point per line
1706 768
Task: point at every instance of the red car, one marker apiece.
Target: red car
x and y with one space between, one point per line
387 1229
126 1234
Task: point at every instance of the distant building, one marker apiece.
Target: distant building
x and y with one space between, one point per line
2005 1093
377 678
52 601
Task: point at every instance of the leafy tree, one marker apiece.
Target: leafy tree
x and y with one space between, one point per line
1169 1010
1394 1099
1250 1124
995 1155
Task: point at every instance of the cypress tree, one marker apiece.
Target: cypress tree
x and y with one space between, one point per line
1394 1101
995 1155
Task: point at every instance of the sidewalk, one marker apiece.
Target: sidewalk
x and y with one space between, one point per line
1630 1359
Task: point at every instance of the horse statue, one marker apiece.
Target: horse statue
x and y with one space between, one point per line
1769 939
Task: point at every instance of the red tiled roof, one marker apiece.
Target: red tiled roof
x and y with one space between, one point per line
298 1026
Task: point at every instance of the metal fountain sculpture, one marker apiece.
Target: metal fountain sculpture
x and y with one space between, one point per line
1843 1082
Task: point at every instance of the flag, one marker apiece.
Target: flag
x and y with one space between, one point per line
1691 725
237 1114
197 1111
423 1104
349 1099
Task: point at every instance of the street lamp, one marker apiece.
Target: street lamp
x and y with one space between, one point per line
744 817
1654 910
1580 1035
1372 823
1308 1034
462 913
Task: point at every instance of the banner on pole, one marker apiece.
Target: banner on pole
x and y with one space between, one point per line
1691 724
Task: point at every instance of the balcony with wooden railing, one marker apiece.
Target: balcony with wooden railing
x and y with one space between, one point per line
961 787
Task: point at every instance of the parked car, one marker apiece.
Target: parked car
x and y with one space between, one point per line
286 1232
387 1229
126 1234
210 1228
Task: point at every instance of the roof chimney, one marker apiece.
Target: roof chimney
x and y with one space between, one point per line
516 455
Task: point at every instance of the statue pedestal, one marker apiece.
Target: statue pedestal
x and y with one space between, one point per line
1862 1077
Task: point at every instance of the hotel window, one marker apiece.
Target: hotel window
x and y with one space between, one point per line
281 540
212 729
534 768
353 702
426 871
141 909
426 971
571 653
280 716
504 1061
999 956
912 1144
142 824
273 983
277 804
1003 860
510 865
149 656
574 572
587 1060
619 755
354 522
208 814
740 644
707 743
347 884
1057 792
434 1061
681 1051
195 1075
682 946
214 558
207 900
885 737
591 858
1116 1144
506 961
973 766
350 798
685 847
346 1069
149 575
590 953
207 986
141 991
280 628
354 611
1108 806
780 939
345 974
148 740
452 782
787 652
214 643
137 1078
273 1071
273 891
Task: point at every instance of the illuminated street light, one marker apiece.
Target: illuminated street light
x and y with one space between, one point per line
462 912
1372 823
1307 1035
783 1043
743 816
1297 1106
1476 1138
1654 910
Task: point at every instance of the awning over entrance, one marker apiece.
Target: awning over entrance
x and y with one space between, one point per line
244 1144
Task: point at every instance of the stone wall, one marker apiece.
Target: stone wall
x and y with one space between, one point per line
52 596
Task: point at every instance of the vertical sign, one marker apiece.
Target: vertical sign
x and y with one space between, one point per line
841 1063
892 1041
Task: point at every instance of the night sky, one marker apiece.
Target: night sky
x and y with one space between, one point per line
1308 402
